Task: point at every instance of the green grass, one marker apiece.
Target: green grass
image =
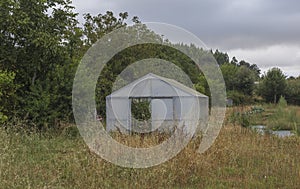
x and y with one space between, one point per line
238 159
284 118
275 117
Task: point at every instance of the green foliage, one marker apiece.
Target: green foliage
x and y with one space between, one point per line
140 109
7 90
282 103
257 109
246 118
40 36
200 88
221 58
275 117
284 117
239 98
297 129
239 118
253 67
273 85
239 79
245 80
229 72
96 26
292 93
42 43
202 85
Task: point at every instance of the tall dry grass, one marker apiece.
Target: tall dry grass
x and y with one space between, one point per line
239 158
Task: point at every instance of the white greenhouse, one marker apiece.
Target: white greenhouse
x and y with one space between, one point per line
168 104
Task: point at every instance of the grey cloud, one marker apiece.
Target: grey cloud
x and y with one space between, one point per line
285 57
248 23
224 24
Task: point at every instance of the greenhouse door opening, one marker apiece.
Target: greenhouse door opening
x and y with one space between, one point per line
148 114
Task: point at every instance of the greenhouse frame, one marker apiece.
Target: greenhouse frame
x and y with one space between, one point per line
169 102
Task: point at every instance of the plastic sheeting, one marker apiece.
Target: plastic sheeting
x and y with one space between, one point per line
170 103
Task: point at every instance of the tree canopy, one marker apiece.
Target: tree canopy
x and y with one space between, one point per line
273 85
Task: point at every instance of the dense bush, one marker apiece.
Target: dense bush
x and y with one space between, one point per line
7 89
293 91
273 85
239 97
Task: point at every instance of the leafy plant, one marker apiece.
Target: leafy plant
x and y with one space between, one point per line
7 89
140 109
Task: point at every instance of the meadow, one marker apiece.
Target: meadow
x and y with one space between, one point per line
239 158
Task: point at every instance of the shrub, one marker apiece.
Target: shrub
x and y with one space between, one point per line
282 103
246 118
284 117
239 98
7 89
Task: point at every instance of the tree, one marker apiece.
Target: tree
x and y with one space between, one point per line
273 85
38 38
42 43
234 61
229 72
252 67
221 57
293 91
96 26
245 80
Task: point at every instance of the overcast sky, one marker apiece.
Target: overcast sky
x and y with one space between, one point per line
262 32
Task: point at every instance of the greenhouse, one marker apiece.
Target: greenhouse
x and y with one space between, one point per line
155 103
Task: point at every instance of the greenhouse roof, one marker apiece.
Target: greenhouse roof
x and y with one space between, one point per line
145 85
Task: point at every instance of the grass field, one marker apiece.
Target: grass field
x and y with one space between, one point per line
275 117
240 158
